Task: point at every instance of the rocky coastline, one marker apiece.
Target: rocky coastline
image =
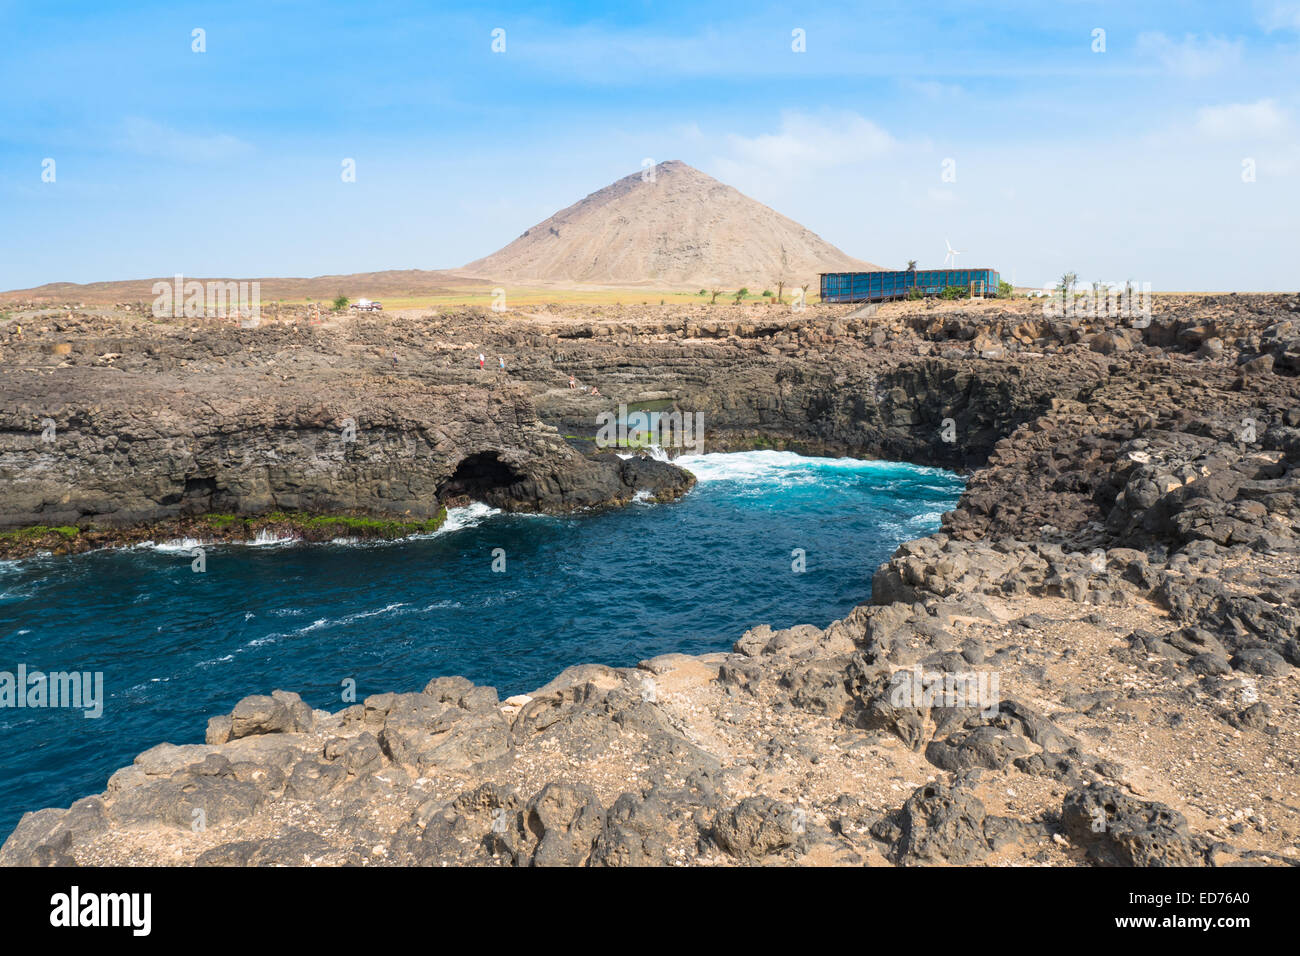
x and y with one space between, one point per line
213 529
1120 580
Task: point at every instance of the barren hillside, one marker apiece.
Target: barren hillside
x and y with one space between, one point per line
679 228
396 282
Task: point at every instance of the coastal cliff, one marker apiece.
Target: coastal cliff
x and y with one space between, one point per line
166 425
1121 572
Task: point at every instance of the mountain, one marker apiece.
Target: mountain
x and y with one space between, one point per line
679 228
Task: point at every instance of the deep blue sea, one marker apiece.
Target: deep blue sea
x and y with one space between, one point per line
176 646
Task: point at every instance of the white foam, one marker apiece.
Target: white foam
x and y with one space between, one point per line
441 605
926 518
361 615
469 516
325 622
783 466
266 537
176 544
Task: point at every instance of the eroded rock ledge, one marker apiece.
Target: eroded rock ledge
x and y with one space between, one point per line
114 457
1125 561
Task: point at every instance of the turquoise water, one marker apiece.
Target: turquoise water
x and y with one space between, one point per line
176 647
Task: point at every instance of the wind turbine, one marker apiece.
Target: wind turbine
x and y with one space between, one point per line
952 254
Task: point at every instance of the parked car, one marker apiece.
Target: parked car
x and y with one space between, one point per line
366 305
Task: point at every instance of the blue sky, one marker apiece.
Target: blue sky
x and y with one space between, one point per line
1122 164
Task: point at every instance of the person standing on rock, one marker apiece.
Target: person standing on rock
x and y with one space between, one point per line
481 360
573 382
501 362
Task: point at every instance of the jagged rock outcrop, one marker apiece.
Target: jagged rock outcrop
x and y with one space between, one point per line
95 449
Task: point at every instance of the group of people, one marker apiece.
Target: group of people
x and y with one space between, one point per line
501 362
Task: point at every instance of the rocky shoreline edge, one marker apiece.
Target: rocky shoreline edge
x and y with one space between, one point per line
1125 562
212 529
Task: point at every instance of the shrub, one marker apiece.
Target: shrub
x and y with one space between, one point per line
915 293
1005 289
954 292
340 302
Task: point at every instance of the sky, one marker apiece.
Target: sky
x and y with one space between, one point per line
1152 142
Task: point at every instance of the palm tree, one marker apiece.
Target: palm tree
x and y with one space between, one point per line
911 265
1067 283
784 276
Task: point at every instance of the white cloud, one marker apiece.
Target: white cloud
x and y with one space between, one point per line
689 132
1280 15
154 139
932 90
807 143
892 206
1238 120
1192 56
